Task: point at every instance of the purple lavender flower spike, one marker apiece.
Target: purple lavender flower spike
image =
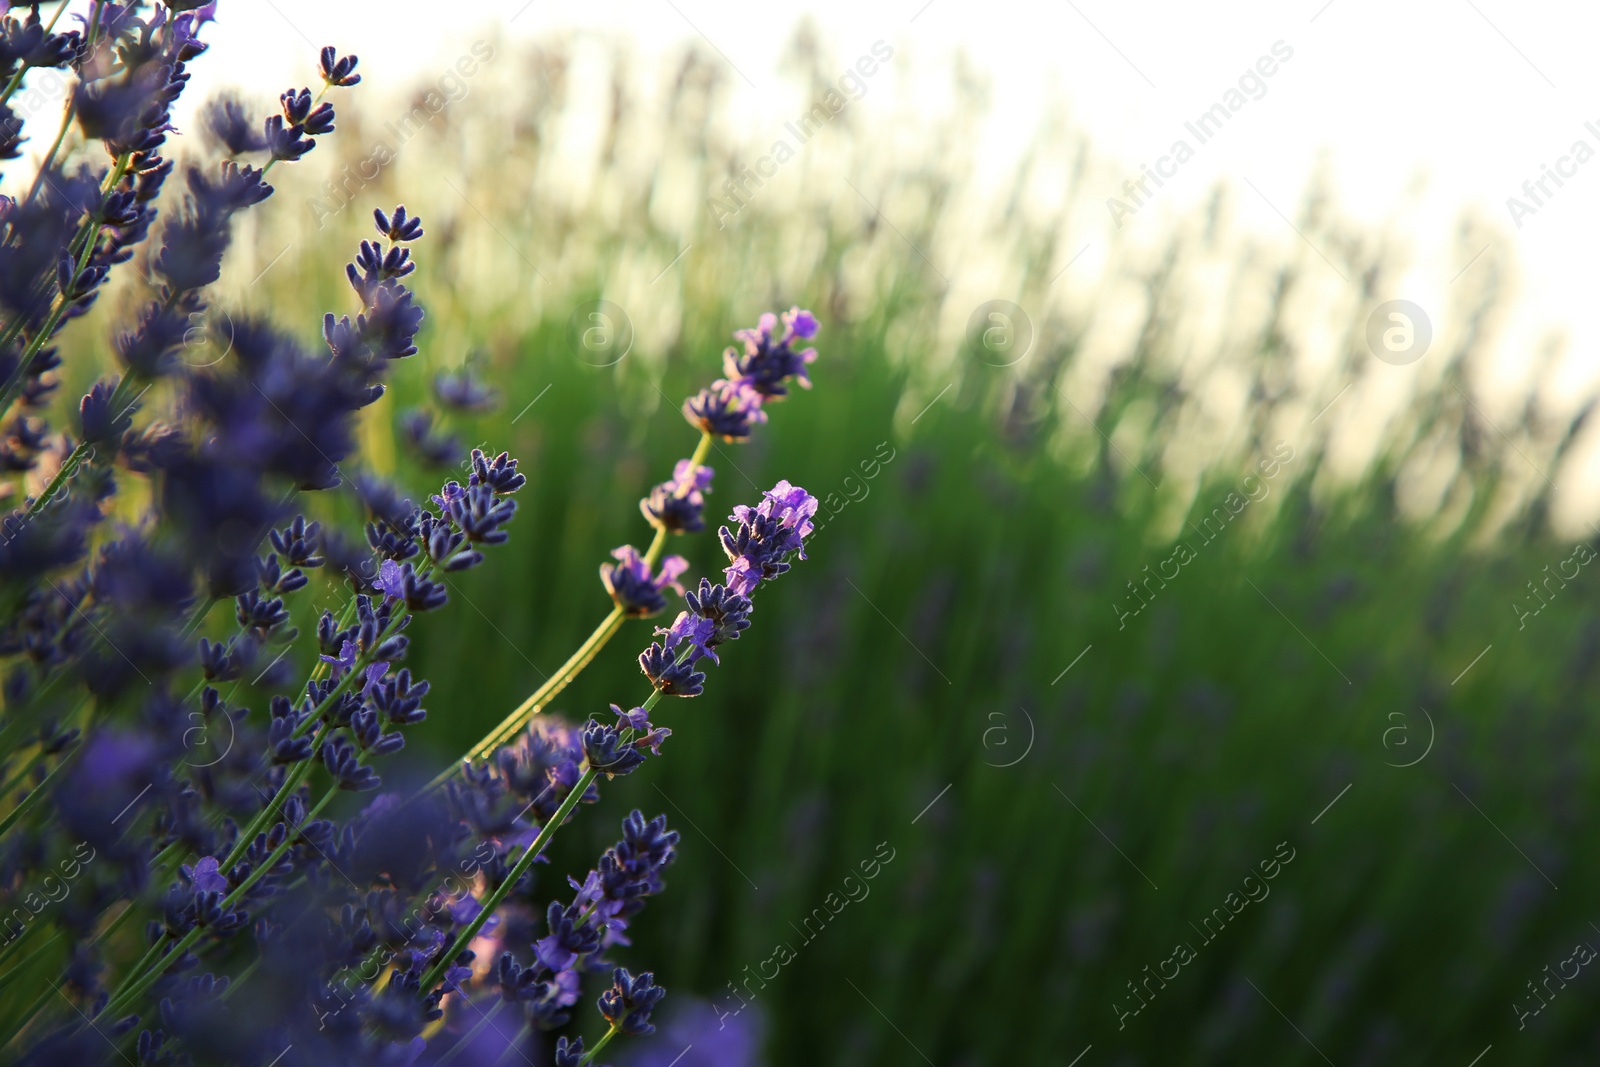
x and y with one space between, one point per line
336 69
801 323
725 409
628 1003
769 359
731 406
674 677
607 752
633 588
767 534
676 504
389 579
728 612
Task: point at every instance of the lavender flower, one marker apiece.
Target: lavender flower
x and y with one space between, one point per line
628 1003
675 505
669 673
633 588
211 847
732 405
769 359
767 535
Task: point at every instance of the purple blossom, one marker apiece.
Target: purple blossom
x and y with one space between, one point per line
205 875
697 630
725 409
767 535
675 505
633 588
345 661
673 675
630 1000
769 359
389 579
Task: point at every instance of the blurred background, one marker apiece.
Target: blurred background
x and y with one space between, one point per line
1170 591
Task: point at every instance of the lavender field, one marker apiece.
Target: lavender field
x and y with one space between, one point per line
656 598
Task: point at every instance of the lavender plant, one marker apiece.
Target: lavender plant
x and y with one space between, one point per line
170 821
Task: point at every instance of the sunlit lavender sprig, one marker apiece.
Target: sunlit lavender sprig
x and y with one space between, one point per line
758 371
759 547
190 775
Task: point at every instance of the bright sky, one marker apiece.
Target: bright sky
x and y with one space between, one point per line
1464 100
1473 96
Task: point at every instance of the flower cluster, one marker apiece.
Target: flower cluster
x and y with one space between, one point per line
768 534
179 712
676 504
634 589
726 409
730 406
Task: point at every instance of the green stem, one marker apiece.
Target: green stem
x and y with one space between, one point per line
55 147
122 916
144 962
22 964
598 1045
126 997
72 102
525 861
59 308
33 797
199 615
696 461
16 79
70 465
524 713
298 775
23 772
531 853
241 977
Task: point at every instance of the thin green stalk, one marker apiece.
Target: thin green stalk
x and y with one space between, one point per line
531 853
240 978
28 1017
22 716
524 713
22 772
55 146
530 707
598 1045
696 461
130 993
150 956
122 916
525 861
82 241
16 79
72 101
16 943
59 308
22 964
33 797
297 776
199 615
70 465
